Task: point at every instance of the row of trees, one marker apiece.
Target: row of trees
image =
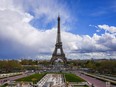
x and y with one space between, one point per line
15 65
104 67
10 66
99 66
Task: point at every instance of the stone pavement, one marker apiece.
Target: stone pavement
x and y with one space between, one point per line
52 80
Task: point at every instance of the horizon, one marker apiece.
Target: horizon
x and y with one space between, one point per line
29 28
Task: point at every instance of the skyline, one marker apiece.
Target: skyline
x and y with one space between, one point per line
28 28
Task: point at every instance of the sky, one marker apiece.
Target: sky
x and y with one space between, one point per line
28 28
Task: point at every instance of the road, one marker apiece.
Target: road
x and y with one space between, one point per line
94 81
2 81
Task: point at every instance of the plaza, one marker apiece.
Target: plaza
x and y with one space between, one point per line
52 80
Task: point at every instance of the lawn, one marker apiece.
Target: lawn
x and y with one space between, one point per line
73 78
32 78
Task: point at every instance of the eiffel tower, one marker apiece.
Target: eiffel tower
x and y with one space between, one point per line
58 46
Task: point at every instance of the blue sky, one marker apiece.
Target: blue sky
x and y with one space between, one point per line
83 13
28 28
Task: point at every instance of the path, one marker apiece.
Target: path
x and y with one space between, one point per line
2 81
94 81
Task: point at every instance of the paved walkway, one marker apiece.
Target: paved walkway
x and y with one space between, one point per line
94 81
2 81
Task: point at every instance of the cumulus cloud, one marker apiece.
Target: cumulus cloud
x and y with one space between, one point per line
18 38
111 29
45 10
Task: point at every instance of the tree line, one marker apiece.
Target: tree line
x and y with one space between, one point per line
106 66
7 66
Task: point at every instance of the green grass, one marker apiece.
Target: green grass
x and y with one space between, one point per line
73 78
32 78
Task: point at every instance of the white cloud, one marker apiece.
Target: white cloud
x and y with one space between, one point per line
47 10
111 29
18 37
